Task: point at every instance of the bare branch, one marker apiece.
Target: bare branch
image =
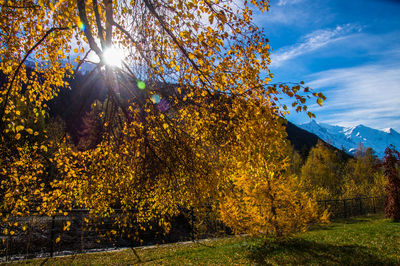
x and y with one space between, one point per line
83 60
88 32
109 20
98 22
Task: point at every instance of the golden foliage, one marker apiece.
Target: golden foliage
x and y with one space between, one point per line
219 140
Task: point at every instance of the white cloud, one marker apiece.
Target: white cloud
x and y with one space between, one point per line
288 2
312 42
367 95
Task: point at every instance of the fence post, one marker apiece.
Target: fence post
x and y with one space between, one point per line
344 208
53 220
7 247
373 203
82 232
361 207
192 222
28 243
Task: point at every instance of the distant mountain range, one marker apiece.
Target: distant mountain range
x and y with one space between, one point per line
348 138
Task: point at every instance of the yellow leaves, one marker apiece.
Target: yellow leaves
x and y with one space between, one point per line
184 34
67 226
19 128
211 18
58 239
183 136
319 101
191 56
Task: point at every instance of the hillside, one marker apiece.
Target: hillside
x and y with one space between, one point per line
303 140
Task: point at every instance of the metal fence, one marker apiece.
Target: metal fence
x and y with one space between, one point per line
345 208
44 236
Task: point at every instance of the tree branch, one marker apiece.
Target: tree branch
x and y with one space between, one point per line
98 22
88 32
183 50
83 60
19 67
109 20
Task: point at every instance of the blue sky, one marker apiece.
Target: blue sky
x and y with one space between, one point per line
348 49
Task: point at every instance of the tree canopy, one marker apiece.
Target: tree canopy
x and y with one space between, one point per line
191 116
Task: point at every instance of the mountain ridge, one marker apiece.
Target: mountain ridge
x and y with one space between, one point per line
348 138
303 141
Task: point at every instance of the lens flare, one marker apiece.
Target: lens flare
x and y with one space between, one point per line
155 98
141 85
163 105
81 26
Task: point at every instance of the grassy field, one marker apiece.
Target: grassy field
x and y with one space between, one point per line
360 241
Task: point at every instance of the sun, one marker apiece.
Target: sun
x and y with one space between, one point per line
113 56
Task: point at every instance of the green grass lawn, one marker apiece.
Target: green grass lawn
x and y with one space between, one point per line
360 241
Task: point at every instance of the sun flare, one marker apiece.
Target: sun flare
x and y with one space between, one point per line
113 56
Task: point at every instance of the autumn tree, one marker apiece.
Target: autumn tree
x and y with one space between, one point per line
296 162
322 174
390 164
193 70
362 178
92 128
259 192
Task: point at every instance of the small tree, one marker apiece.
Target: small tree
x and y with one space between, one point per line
322 173
361 177
391 165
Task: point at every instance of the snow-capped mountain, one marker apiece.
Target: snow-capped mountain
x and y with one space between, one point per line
348 138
